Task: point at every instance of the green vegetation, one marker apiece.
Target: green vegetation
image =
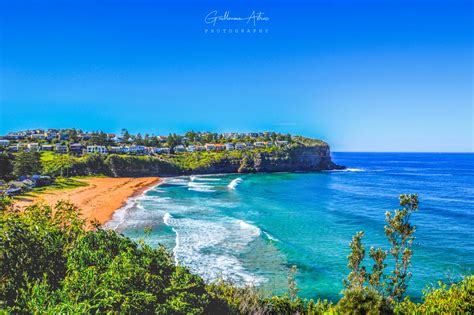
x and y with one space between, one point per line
51 265
62 183
27 163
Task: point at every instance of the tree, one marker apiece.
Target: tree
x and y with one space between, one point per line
191 135
139 139
72 135
292 286
400 234
125 135
382 290
358 274
27 163
173 140
6 166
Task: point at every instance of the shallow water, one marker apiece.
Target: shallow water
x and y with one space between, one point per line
252 228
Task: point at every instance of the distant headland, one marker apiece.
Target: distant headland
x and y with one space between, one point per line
69 152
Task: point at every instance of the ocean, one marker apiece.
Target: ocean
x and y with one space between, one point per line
251 228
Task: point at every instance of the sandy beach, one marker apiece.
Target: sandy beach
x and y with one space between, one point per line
99 199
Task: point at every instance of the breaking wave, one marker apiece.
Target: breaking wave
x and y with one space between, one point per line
234 183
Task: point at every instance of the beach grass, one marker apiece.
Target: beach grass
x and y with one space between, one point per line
62 183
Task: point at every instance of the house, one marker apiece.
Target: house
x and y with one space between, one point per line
96 149
47 147
4 143
136 149
64 136
191 148
117 150
61 148
210 147
259 144
179 149
269 144
220 147
38 136
33 146
85 136
229 146
200 148
14 148
281 143
76 148
51 135
162 150
240 146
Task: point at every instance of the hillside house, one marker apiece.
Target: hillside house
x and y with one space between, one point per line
96 149
76 148
60 148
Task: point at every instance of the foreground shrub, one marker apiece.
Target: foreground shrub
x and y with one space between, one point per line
455 299
51 265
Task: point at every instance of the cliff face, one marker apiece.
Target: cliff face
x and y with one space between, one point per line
307 158
297 158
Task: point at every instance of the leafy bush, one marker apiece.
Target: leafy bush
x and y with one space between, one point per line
454 299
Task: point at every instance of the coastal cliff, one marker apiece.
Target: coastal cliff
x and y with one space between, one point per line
293 159
302 156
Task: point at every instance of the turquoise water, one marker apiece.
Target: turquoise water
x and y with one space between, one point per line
252 228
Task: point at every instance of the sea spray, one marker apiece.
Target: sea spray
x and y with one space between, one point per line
234 183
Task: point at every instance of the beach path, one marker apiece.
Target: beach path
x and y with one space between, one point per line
99 199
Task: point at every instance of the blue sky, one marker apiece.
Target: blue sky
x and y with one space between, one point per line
362 75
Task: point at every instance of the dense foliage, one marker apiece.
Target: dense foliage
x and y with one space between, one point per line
50 264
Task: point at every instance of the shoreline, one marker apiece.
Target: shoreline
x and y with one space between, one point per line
99 199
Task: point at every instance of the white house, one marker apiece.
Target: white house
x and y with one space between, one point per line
38 136
210 147
281 143
33 146
240 146
162 150
200 148
259 144
96 149
179 148
61 148
14 148
47 147
138 149
4 143
229 146
116 150
191 148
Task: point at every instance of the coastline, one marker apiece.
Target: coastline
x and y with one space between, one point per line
99 199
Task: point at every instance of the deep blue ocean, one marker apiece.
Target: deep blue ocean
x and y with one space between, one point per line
251 228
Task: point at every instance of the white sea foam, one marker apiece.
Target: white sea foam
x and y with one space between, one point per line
347 170
179 181
199 187
166 218
255 231
270 237
234 183
208 247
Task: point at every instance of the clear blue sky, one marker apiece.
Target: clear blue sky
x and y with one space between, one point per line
362 75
